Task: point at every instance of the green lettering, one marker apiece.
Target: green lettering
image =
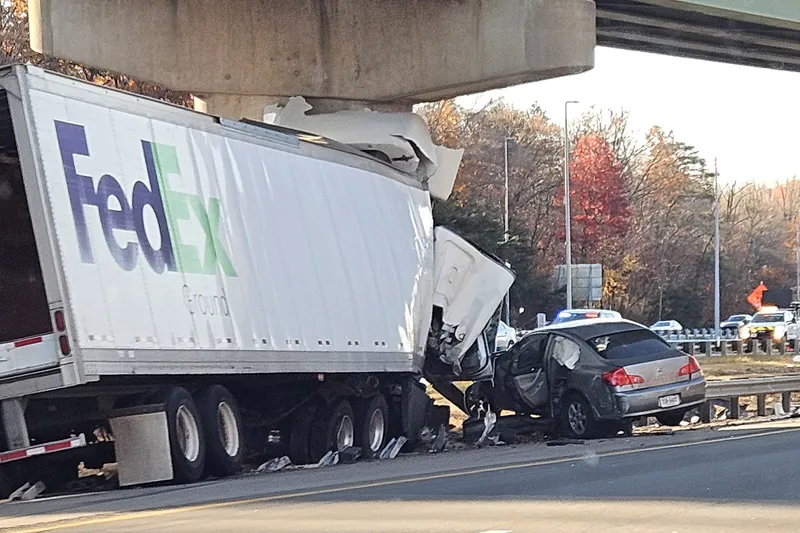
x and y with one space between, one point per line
215 251
176 205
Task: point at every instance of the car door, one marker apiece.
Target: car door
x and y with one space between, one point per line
528 375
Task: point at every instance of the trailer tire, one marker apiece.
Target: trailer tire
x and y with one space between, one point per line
222 426
333 429
300 434
186 438
372 425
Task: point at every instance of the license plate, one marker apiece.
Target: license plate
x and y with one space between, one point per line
669 401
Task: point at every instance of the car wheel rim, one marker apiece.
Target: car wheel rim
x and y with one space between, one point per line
188 434
345 433
228 429
577 418
376 428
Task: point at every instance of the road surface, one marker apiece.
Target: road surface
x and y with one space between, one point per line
733 481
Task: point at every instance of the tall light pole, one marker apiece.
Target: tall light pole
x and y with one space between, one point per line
797 223
505 228
567 212
716 251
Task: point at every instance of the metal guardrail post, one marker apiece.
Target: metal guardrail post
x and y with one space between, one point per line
761 400
734 410
705 412
786 399
723 347
740 347
769 347
709 347
754 346
782 346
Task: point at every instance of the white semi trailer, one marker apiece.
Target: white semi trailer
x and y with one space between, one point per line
175 287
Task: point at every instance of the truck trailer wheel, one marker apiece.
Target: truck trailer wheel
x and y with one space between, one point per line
186 437
372 425
333 429
222 426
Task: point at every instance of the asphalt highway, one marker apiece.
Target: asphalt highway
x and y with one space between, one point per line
731 481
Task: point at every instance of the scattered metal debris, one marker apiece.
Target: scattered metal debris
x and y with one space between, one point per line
440 441
273 465
489 422
393 448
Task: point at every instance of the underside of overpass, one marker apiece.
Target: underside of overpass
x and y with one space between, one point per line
702 30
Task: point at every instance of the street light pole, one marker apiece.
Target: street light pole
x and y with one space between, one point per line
505 218
716 251
505 230
567 211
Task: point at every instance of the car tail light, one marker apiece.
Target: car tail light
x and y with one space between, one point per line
620 378
692 368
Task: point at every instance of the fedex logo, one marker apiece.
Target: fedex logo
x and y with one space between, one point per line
170 207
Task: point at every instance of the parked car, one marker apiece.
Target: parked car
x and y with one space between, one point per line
592 377
506 337
734 322
583 314
667 327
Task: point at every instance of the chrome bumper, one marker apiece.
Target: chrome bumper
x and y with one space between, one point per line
632 404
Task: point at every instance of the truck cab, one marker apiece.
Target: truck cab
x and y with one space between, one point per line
770 324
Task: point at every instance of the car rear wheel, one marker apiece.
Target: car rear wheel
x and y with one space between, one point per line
577 418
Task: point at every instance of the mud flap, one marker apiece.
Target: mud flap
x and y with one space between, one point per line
141 444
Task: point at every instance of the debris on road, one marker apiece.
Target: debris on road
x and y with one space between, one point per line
489 422
440 441
351 454
393 448
273 465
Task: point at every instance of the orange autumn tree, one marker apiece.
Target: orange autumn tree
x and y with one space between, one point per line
601 210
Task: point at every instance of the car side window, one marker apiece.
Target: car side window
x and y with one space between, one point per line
530 355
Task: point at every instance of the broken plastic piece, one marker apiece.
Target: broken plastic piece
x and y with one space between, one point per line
329 459
33 492
273 465
489 422
17 494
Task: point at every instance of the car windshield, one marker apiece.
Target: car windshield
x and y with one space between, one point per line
662 324
736 318
628 344
768 317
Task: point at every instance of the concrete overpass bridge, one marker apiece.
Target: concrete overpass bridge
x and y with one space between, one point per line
242 54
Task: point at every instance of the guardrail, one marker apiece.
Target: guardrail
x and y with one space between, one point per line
733 389
704 342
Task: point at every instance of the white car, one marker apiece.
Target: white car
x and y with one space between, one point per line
667 327
506 337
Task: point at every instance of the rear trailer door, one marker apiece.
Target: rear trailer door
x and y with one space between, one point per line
26 340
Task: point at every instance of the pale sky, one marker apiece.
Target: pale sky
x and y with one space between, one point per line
746 117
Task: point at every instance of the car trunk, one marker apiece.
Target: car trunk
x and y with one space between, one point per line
646 359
